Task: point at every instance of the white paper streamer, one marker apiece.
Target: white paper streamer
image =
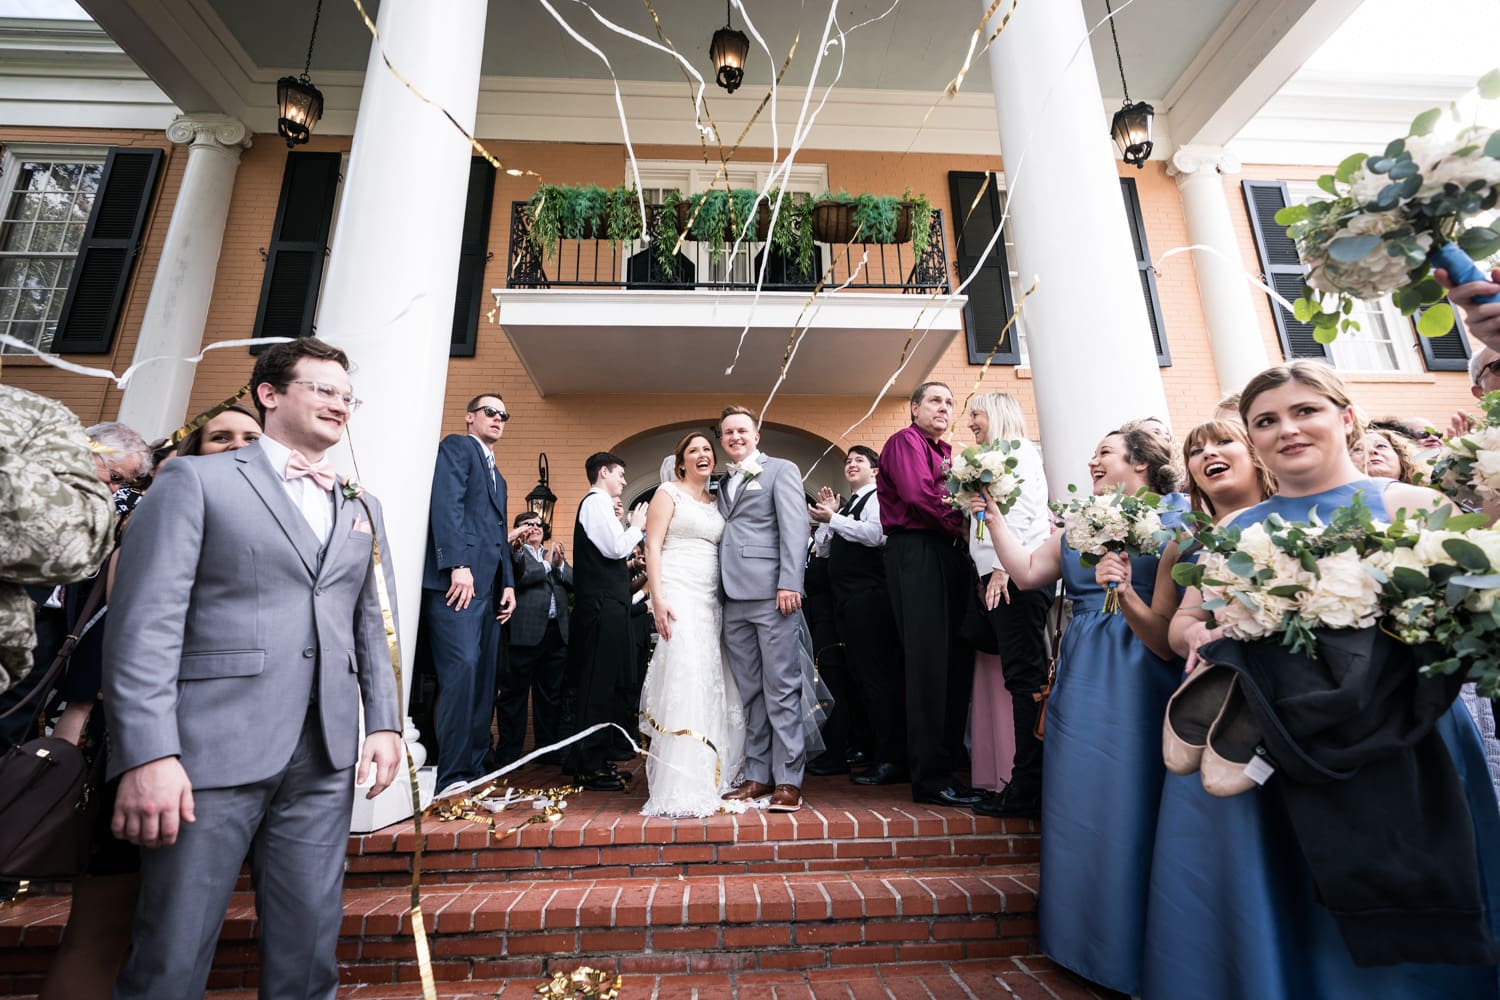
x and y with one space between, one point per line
121 381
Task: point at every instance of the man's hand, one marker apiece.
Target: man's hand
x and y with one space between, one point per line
517 535
507 604
1461 423
460 588
637 517
557 555
788 601
824 510
383 750
153 801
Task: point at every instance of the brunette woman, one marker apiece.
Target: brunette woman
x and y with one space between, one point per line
1233 909
1102 783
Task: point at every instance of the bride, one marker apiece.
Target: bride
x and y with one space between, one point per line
690 707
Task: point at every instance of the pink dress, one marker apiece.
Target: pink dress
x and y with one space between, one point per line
992 730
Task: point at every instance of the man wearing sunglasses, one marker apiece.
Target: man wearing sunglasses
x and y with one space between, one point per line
468 587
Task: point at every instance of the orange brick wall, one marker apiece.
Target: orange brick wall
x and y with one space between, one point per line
568 428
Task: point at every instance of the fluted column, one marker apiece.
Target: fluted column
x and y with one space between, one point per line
155 401
1088 334
1228 310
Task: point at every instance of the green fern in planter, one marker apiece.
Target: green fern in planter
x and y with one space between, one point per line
877 216
565 212
720 217
792 235
664 234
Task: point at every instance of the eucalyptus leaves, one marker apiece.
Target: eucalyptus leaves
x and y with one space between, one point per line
1389 216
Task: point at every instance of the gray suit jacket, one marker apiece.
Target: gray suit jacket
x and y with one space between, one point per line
222 619
535 587
764 548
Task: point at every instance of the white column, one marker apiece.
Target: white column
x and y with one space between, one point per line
155 401
1228 309
393 273
1089 338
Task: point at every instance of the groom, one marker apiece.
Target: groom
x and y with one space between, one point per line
761 558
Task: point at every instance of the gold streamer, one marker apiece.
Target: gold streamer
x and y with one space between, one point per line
1014 315
954 85
176 436
354 491
473 142
718 772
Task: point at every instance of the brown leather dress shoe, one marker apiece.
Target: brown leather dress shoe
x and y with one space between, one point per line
748 791
785 799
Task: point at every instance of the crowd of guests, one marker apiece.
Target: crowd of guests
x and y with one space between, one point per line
939 633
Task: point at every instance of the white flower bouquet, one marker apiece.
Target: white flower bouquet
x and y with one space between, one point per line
992 466
1394 217
1113 522
1468 467
1430 579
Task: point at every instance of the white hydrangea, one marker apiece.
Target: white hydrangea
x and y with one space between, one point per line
1343 594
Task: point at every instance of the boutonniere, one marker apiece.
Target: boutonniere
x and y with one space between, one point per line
352 490
751 468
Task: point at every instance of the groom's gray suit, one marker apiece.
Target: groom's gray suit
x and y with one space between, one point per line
240 644
764 549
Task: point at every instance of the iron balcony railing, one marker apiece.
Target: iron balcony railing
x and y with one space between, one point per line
603 263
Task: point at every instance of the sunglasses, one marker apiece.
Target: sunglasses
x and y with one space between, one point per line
490 411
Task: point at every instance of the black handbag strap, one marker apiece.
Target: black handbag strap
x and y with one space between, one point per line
81 625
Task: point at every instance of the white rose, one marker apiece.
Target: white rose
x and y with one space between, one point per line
1344 594
1429 549
1486 480
992 461
1255 542
1488 541
1480 601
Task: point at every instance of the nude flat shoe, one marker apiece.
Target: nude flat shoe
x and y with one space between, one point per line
1190 713
1232 760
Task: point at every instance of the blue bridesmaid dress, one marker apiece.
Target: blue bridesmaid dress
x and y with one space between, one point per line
1101 782
1232 913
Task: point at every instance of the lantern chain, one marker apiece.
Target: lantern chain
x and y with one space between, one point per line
313 38
1118 60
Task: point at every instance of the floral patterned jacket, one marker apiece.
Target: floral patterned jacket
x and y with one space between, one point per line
56 517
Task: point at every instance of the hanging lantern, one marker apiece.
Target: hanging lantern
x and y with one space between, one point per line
728 52
300 103
301 106
541 500
1131 130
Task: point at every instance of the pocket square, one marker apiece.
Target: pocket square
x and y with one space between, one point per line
752 486
361 526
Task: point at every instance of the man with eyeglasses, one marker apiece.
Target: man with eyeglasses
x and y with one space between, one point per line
468 588
244 640
1484 377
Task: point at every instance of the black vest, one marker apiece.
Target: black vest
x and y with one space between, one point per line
593 574
852 564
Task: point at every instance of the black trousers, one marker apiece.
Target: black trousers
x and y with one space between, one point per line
1019 628
928 574
872 657
535 671
600 654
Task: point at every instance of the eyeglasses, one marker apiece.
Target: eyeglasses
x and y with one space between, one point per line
491 412
1493 368
330 393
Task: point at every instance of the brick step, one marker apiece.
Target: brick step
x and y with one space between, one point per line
656 925
1021 977
842 827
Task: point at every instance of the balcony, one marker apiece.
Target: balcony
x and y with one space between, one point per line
605 317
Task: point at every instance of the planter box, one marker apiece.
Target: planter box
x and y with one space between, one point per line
833 222
762 224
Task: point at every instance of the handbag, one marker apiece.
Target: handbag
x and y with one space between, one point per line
48 787
1057 616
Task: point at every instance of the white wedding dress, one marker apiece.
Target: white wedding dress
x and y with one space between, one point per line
690 708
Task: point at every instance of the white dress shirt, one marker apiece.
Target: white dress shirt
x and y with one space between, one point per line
1028 520
863 530
489 456
313 501
610 537
737 480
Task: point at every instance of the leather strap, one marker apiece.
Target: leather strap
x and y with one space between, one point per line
65 652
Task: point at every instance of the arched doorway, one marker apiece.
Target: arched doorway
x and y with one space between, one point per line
643 455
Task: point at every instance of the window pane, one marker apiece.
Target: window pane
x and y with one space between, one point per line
46 237
46 213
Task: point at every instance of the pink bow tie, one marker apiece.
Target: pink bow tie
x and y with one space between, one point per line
319 472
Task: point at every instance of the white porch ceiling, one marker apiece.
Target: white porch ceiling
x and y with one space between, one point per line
594 341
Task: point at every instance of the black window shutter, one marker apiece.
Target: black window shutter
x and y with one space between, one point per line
1147 272
107 255
1448 353
989 307
299 241
473 255
1282 267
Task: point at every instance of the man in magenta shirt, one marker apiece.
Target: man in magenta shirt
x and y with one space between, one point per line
927 568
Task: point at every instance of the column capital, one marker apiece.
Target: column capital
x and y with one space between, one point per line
210 130
1188 160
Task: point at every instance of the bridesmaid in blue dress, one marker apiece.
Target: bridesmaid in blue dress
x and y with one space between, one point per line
1102 767
1232 911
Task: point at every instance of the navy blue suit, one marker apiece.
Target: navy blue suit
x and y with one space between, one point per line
466 527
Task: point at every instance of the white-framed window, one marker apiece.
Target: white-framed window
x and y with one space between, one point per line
690 177
46 193
1385 340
